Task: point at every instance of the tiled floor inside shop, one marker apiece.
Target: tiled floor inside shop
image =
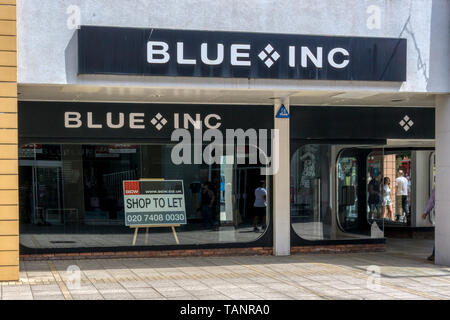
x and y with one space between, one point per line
404 274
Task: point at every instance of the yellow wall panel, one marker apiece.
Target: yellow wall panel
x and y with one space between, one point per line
8 43
8 120
9 197
8 74
7 12
8 151
8 28
8 182
9 228
8 58
9 258
8 136
9 273
8 90
9 212
8 166
9 243
8 104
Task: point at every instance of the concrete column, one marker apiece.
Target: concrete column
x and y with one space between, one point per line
281 189
420 161
442 206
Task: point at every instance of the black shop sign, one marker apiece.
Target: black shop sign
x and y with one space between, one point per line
188 53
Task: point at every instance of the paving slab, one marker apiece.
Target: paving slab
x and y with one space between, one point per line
405 275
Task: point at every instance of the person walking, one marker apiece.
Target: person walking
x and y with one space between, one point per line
387 201
207 202
374 200
402 192
260 206
428 208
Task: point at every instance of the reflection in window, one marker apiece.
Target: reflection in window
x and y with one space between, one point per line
310 211
375 186
71 195
347 184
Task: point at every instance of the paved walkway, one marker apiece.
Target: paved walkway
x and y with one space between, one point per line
404 274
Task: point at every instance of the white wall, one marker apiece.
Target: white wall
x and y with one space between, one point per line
43 35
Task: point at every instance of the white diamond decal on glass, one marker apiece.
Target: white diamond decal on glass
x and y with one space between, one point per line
269 55
158 121
406 123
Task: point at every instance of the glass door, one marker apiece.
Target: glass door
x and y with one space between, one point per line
347 186
378 188
360 191
42 181
48 195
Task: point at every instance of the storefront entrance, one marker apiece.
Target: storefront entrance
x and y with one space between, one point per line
345 189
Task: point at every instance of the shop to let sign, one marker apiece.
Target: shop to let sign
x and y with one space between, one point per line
151 202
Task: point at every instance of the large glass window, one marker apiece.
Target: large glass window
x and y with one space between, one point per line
320 171
310 203
71 195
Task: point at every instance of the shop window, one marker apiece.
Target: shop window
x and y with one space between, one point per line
310 203
318 215
71 196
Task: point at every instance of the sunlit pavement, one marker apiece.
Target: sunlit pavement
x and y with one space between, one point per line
404 273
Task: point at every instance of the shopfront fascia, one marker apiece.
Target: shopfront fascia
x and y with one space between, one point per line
74 158
338 164
74 155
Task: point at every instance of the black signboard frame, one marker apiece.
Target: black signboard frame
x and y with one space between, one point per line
123 51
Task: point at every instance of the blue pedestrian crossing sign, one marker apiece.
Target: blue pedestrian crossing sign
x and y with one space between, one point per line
282 112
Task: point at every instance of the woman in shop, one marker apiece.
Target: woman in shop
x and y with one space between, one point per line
387 201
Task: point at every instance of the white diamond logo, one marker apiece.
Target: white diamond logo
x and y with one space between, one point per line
262 55
269 62
269 48
406 123
158 121
269 56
